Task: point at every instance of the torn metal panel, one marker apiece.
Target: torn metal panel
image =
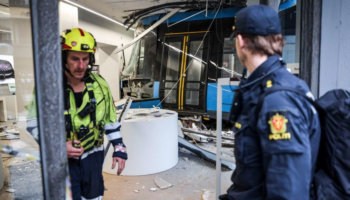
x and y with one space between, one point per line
197 137
148 30
206 155
131 67
204 133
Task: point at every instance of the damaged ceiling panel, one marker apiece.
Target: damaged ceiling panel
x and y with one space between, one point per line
133 10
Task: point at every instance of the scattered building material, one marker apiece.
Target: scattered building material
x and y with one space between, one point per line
13 131
185 158
206 155
208 194
227 144
195 119
162 184
180 125
11 190
204 134
197 137
3 128
137 191
153 189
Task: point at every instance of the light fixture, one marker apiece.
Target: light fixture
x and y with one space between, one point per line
6 31
5 13
97 13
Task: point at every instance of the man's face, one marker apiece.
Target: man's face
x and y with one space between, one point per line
77 63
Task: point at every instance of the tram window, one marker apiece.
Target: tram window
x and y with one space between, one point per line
171 98
169 85
231 65
192 85
291 34
194 70
173 62
141 57
192 98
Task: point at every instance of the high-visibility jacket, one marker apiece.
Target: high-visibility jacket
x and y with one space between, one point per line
91 128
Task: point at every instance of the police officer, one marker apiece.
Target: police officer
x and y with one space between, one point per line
277 136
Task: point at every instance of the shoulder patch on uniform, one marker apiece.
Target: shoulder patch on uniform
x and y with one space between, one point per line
278 122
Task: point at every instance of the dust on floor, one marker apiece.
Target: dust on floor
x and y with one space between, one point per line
188 178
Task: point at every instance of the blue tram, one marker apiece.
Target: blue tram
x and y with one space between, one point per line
176 66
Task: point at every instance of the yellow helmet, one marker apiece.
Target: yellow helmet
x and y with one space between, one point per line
77 39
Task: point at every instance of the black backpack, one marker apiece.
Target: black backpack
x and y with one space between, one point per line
332 176
6 70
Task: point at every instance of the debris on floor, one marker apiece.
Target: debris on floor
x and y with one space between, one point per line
197 137
3 128
185 158
137 191
162 184
153 189
179 125
14 131
208 194
8 134
11 190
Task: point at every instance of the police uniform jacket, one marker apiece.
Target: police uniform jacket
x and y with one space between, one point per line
276 147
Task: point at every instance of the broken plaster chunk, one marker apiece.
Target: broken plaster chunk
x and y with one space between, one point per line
153 189
208 194
137 191
161 183
185 158
11 190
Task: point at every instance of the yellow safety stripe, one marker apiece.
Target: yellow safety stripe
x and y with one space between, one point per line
183 33
89 87
182 63
183 78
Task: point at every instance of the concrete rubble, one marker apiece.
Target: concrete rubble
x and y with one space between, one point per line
208 194
161 183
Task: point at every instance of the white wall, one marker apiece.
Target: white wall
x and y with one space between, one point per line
109 36
335 46
68 15
22 58
109 69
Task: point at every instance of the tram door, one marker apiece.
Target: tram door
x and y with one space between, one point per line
184 67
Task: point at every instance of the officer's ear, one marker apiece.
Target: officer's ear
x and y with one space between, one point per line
240 42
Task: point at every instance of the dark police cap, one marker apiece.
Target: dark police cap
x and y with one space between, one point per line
258 20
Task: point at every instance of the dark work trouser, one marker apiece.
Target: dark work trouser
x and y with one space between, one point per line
86 176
